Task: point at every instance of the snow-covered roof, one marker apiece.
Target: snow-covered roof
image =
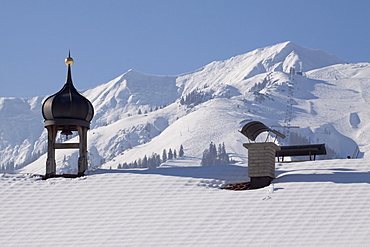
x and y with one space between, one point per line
318 203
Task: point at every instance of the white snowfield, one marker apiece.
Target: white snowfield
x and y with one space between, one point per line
313 203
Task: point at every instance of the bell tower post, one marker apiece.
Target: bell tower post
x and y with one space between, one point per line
50 162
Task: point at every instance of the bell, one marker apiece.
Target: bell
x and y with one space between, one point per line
66 131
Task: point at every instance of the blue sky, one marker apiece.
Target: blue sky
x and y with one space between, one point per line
163 37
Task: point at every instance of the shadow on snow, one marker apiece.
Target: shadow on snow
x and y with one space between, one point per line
227 172
218 172
342 176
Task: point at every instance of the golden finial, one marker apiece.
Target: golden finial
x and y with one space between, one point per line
69 61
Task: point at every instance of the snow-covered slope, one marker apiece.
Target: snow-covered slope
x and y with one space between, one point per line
130 92
21 131
318 203
207 105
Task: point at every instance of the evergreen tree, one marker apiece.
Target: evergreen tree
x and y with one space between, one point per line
181 152
174 154
213 153
170 154
219 148
223 148
206 160
155 161
158 160
144 163
135 164
212 156
164 155
223 156
151 162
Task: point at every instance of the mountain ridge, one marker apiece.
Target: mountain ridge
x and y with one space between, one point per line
253 84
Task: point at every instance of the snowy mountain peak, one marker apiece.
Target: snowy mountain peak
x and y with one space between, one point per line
235 70
283 56
290 45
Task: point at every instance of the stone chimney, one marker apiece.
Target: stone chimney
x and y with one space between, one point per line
261 163
261 155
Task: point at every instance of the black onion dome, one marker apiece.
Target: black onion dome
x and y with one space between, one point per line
67 107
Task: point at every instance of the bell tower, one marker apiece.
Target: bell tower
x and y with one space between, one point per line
67 111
